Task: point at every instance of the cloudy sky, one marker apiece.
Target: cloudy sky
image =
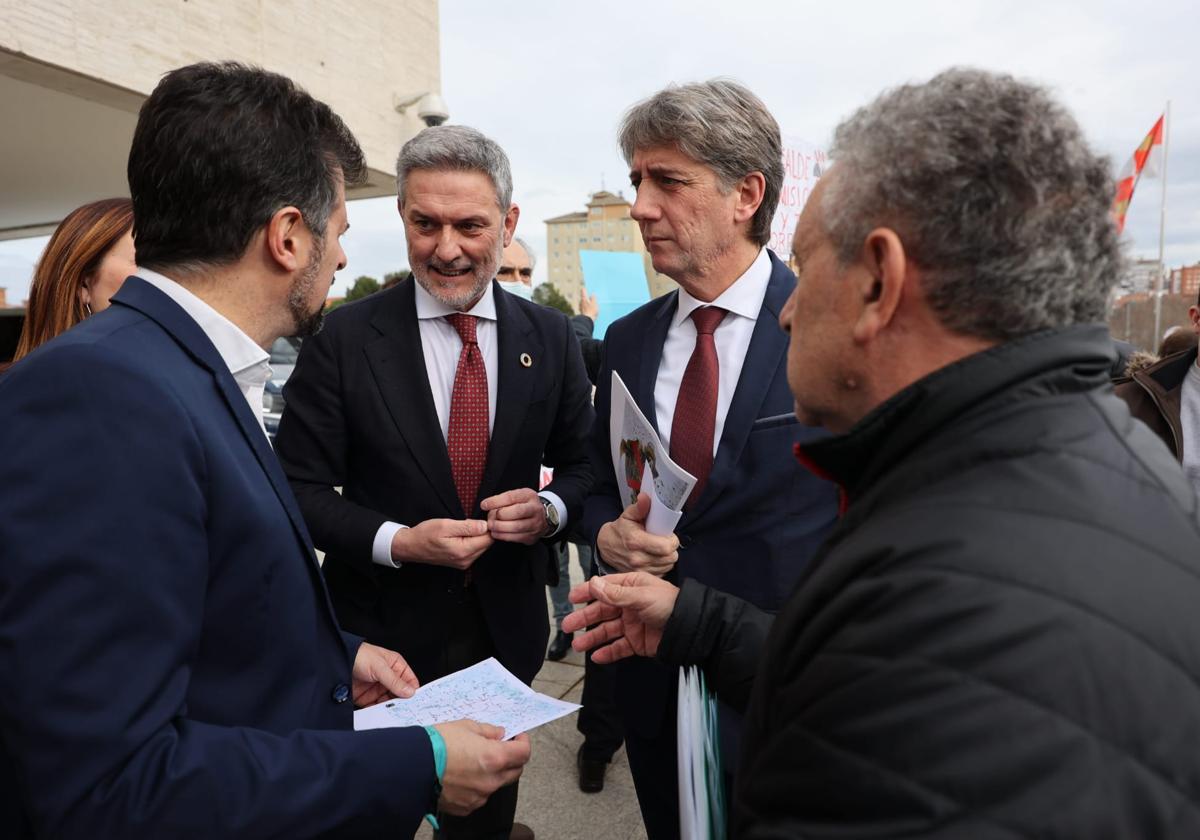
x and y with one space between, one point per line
551 81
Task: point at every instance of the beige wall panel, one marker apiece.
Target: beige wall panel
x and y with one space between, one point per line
357 55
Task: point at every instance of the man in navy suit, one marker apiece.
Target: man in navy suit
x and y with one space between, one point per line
432 405
172 665
707 366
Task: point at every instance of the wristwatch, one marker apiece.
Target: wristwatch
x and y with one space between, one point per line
551 516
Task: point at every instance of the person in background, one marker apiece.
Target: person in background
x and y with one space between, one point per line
585 325
1178 339
1165 395
999 637
706 365
515 274
88 257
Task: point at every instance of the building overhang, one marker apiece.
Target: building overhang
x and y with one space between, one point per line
66 142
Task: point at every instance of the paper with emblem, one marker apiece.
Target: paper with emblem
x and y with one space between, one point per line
485 692
638 454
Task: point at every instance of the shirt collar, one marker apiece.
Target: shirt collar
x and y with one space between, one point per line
245 359
743 297
430 307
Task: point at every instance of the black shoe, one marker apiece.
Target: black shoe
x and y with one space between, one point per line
560 646
591 772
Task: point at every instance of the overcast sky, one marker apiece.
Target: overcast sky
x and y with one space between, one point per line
551 81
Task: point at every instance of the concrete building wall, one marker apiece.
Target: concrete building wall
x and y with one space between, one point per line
359 56
562 253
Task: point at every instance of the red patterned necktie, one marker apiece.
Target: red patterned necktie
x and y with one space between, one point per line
696 407
467 441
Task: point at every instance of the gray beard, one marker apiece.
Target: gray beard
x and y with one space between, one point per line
461 301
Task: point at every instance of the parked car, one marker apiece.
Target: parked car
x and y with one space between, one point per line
283 360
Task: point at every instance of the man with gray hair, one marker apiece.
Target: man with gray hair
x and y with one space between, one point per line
999 637
432 406
707 366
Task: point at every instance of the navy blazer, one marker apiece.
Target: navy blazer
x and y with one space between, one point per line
360 416
171 663
760 517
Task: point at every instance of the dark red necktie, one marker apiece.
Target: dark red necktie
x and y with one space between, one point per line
696 408
467 441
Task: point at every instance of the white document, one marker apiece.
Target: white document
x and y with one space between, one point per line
693 805
636 452
701 780
485 692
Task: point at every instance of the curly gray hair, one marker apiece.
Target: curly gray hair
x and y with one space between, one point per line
995 194
721 124
457 148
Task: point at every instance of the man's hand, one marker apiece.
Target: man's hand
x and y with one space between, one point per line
478 763
630 611
516 516
626 545
587 304
442 542
380 674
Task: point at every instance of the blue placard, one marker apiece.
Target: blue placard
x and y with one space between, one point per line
618 280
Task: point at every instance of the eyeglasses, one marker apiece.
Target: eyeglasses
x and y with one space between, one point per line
509 271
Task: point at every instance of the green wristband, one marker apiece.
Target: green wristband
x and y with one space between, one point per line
439 754
439 767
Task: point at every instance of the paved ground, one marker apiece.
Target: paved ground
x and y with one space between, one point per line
551 802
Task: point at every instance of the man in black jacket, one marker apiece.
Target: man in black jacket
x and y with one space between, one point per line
999 638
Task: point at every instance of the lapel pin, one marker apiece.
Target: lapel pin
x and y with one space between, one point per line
526 360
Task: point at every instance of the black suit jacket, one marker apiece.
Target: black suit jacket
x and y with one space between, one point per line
761 515
360 416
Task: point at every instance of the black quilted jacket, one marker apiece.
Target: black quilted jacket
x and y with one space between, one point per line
1000 639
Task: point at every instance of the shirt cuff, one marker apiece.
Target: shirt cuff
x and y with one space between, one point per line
381 548
553 499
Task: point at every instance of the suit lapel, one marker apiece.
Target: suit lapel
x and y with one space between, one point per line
262 451
140 295
650 357
768 346
397 361
517 342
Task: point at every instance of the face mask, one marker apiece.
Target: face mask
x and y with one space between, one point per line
517 288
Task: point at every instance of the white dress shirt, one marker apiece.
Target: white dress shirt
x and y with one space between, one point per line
441 347
743 300
249 363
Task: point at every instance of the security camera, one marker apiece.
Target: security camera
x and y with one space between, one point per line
432 109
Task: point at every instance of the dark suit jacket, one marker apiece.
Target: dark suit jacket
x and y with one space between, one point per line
171 663
760 517
360 416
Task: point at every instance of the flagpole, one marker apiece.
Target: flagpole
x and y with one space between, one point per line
1162 228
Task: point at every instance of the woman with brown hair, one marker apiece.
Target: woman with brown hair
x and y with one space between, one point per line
87 259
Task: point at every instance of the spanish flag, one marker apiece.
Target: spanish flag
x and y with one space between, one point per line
1147 159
